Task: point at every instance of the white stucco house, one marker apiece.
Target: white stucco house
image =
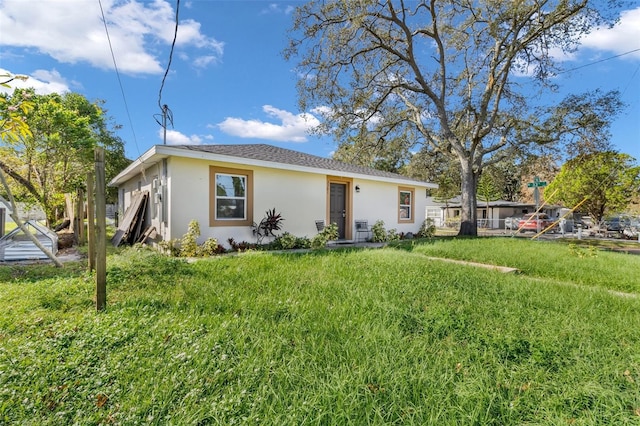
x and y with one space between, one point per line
226 188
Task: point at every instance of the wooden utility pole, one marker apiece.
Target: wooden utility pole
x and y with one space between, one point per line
91 222
101 225
79 219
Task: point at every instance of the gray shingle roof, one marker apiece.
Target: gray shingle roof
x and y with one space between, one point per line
264 152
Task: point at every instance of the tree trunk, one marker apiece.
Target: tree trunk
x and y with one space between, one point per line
70 212
468 200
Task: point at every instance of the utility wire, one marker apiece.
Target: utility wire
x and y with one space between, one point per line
175 35
597 62
115 66
166 113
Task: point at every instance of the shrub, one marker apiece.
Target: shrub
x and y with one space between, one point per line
240 246
170 247
188 243
427 229
329 233
187 246
286 241
303 242
378 232
271 222
392 235
210 247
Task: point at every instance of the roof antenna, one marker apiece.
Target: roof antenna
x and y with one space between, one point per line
167 114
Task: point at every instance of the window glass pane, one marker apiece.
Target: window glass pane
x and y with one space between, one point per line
405 198
405 204
230 186
230 209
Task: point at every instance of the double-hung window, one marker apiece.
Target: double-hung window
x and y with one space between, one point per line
406 205
231 197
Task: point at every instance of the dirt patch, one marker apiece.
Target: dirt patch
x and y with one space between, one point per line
66 239
503 269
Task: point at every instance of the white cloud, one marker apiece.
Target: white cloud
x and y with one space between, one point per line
72 31
176 138
276 8
622 38
291 128
203 61
44 82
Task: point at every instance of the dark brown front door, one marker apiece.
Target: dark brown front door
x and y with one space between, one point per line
338 207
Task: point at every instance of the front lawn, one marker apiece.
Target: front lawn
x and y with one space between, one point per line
331 337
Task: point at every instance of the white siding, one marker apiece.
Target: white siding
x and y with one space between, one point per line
299 197
379 201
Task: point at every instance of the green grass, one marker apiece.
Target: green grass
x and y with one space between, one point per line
337 337
561 261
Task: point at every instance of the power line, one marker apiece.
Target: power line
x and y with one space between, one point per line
630 80
597 62
166 112
173 44
115 66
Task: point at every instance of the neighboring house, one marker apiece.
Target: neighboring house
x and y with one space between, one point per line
492 218
226 188
25 211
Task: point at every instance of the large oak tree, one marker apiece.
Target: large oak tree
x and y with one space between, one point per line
463 78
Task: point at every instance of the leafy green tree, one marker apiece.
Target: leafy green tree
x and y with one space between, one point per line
505 175
608 180
54 158
367 149
447 73
12 123
433 166
487 191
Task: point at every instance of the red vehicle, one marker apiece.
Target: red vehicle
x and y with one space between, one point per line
535 222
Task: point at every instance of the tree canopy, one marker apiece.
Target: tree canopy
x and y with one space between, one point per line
462 78
54 156
608 180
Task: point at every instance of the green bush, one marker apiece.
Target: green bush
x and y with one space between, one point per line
378 232
286 241
170 247
188 243
427 229
210 247
392 235
303 242
329 233
187 246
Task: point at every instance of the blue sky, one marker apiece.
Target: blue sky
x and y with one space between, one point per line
228 81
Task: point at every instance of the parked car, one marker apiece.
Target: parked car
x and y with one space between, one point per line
535 222
617 223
